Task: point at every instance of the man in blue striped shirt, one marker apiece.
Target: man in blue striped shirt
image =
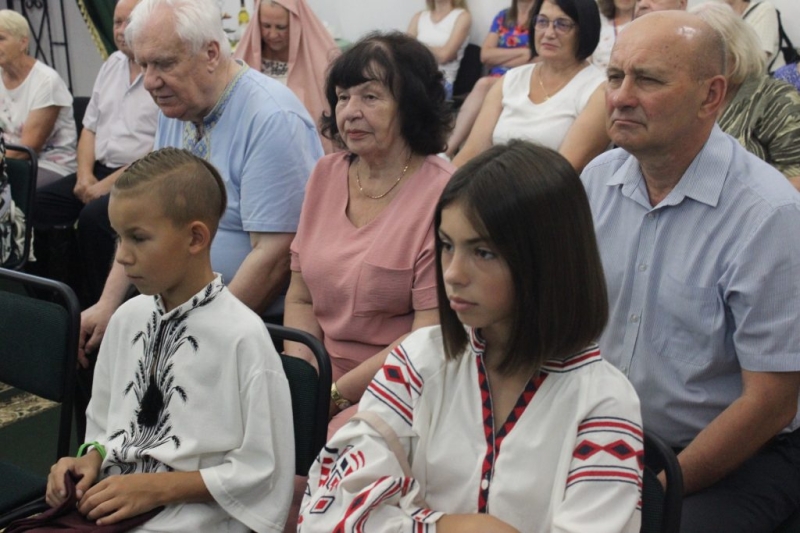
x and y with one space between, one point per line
701 248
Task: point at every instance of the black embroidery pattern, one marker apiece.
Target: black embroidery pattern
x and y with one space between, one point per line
154 387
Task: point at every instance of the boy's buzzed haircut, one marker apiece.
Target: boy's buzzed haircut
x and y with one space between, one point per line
188 187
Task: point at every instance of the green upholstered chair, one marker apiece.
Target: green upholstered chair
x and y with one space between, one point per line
661 509
311 392
39 323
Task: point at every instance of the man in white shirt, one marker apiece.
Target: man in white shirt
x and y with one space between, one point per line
119 127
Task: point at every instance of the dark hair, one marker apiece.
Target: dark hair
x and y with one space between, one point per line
529 203
607 8
410 72
512 14
584 13
187 187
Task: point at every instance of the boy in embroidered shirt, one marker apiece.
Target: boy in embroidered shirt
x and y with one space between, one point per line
190 402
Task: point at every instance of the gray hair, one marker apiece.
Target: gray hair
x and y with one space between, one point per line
197 22
14 23
742 46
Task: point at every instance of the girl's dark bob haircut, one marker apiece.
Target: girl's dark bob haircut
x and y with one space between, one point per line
410 72
530 204
584 13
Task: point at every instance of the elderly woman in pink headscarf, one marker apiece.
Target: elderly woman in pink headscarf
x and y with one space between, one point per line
286 41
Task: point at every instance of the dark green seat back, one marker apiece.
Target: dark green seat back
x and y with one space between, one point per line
303 384
310 392
39 322
32 350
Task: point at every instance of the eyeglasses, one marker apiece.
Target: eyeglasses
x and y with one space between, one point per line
561 25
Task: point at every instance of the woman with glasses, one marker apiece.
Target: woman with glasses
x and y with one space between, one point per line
505 47
557 101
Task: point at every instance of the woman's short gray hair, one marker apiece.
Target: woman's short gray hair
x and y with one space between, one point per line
197 22
745 57
14 23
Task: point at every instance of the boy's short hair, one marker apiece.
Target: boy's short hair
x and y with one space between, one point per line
530 204
188 187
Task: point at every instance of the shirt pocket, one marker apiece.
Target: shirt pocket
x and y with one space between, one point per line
383 291
688 322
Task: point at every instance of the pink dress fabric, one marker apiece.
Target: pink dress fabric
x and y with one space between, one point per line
366 283
311 49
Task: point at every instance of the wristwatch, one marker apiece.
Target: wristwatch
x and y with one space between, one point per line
341 402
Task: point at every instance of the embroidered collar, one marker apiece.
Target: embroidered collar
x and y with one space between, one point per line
198 140
587 356
202 298
476 342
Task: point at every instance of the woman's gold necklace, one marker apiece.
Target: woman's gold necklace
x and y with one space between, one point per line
361 189
546 94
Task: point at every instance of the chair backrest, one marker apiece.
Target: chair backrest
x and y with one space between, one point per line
22 179
39 323
310 392
661 508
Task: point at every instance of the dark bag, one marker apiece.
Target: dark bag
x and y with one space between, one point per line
66 519
790 54
785 45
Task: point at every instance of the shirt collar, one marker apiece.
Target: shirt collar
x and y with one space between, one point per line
203 297
200 143
703 180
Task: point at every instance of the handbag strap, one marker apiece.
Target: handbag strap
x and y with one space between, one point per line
389 436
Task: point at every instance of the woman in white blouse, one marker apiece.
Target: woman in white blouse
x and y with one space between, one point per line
444 28
35 104
763 18
557 101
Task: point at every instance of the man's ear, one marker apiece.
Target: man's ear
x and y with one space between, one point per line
213 56
200 237
717 88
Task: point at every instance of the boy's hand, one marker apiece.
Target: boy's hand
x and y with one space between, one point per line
86 468
118 497
124 496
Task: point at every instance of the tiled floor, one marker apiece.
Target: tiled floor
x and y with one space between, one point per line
16 405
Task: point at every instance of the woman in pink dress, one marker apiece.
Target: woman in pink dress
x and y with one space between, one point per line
363 273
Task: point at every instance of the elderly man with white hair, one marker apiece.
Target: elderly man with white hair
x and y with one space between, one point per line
253 129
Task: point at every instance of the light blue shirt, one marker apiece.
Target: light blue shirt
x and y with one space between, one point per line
265 146
703 285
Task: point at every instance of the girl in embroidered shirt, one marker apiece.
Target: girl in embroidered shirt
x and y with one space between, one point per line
511 420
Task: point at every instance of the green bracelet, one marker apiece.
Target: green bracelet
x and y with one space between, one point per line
94 444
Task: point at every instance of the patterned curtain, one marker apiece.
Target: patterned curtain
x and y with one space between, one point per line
99 17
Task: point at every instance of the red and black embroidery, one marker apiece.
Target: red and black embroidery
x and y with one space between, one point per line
494 440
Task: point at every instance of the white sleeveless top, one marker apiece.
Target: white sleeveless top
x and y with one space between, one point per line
432 33
546 123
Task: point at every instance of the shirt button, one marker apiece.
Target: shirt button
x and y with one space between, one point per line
642 267
634 318
650 215
484 484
